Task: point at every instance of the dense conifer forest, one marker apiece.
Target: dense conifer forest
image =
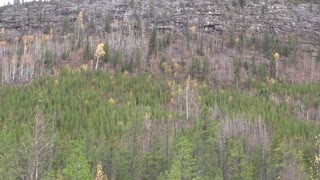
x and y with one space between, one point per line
147 126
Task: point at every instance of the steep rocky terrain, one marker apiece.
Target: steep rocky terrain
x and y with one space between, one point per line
222 32
302 19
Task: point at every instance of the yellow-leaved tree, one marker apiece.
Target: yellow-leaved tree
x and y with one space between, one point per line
99 52
315 160
80 22
99 174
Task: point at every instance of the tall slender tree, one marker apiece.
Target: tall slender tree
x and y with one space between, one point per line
183 164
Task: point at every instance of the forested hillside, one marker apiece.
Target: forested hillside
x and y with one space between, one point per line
166 90
151 127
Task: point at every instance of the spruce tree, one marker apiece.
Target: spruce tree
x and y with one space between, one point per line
183 164
153 42
77 163
107 26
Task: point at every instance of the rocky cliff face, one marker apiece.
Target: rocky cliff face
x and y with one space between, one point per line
302 19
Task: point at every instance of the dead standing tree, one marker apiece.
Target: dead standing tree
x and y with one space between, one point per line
38 147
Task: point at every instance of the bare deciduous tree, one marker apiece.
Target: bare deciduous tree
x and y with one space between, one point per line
38 147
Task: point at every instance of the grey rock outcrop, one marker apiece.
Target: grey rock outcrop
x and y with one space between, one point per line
214 15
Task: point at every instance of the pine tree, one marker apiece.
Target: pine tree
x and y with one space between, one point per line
9 155
107 26
86 51
117 58
205 69
107 56
183 164
239 166
153 42
77 163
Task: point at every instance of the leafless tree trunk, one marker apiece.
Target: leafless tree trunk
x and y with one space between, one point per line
167 139
188 82
14 63
146 143
277 64
38 147
5 69
97 64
